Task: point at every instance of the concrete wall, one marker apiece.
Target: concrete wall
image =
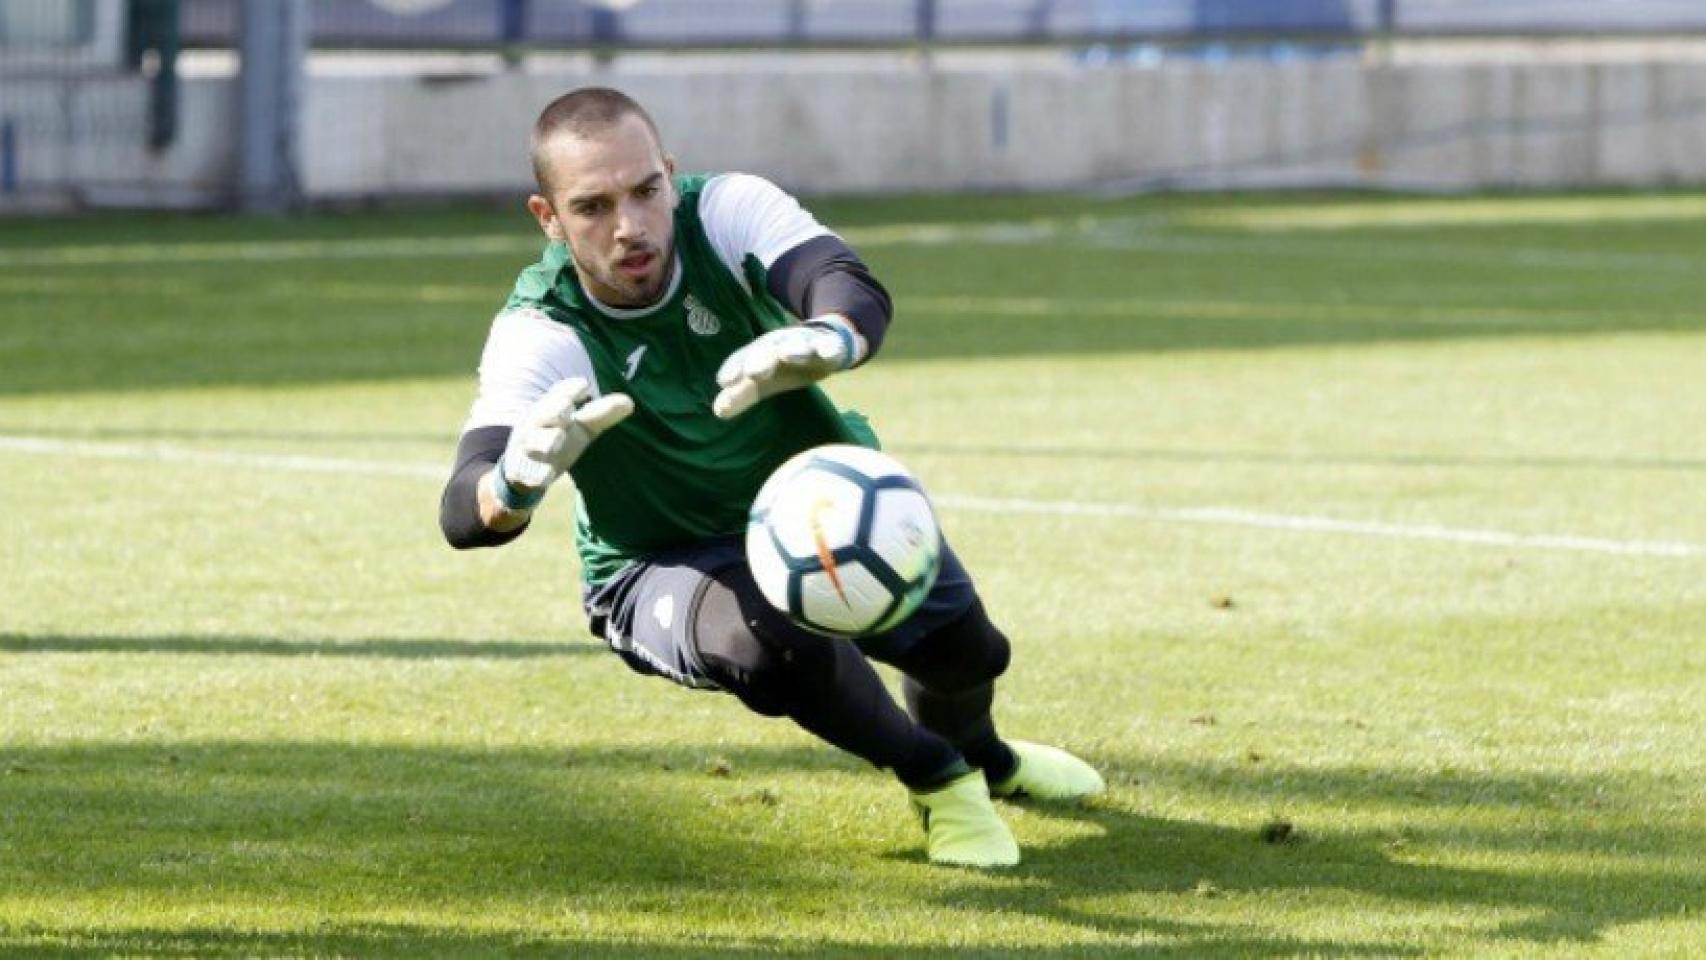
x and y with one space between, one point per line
85 141
903 127
1341 121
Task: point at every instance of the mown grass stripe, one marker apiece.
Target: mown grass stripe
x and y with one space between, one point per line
1151 234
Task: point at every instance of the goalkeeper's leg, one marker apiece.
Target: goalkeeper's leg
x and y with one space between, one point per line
830 689
826 686
695 616
950 687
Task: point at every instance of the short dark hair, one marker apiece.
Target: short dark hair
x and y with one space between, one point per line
582 112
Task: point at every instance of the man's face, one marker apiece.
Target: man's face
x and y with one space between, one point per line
613 203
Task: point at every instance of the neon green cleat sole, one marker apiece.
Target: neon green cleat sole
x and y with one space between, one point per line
1049 774
961 827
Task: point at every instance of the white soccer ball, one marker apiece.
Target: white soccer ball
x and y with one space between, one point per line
844 541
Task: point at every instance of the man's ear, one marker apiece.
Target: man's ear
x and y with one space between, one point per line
546 218
669 172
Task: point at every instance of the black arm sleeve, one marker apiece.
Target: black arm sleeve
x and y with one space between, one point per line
824 275
459 508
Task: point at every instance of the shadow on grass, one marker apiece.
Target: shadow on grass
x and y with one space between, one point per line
1629 868
326 321
329 344
571 851
396 649
407 940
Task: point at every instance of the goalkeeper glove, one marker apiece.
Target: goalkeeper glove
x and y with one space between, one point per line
550 437
785 359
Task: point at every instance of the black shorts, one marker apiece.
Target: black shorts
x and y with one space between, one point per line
646 611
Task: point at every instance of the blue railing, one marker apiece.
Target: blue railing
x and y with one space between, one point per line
408 24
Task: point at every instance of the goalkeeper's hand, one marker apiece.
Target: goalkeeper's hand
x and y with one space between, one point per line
550 437
785 359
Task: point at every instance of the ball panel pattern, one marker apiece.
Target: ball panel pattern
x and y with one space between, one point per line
844 540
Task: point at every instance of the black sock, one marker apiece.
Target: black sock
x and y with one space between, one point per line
848 706
826 686
964 719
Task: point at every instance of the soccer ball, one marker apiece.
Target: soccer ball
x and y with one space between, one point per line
843 540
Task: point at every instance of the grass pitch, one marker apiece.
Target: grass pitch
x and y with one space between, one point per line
1357 540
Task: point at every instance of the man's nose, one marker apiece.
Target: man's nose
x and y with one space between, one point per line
629 227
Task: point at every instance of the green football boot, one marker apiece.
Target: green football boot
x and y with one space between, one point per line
961 827
1049 774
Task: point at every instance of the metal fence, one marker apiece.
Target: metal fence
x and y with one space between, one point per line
89 92
79 78
466 24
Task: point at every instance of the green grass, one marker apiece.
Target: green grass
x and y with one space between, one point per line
252 708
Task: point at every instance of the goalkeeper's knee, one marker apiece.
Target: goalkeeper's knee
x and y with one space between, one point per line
964 654
751 650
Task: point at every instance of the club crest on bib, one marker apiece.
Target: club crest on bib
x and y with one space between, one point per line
700 319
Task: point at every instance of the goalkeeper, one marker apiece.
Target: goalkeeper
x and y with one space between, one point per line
664 353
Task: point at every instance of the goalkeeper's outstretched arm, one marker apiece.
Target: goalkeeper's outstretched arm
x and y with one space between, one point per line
469 513
551 435
537 410
844 312
823 277
808 269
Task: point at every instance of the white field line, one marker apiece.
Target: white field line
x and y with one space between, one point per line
162 453
267 251
1231 516
487 244
1215 516
1483 211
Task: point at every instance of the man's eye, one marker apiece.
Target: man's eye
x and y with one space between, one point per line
648 191
588 209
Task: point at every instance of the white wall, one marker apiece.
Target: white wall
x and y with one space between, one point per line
902 127
86 141
1445 125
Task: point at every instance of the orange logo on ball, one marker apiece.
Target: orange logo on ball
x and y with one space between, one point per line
823 553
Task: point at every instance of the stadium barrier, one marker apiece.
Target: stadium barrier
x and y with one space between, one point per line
93 110
1329 122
